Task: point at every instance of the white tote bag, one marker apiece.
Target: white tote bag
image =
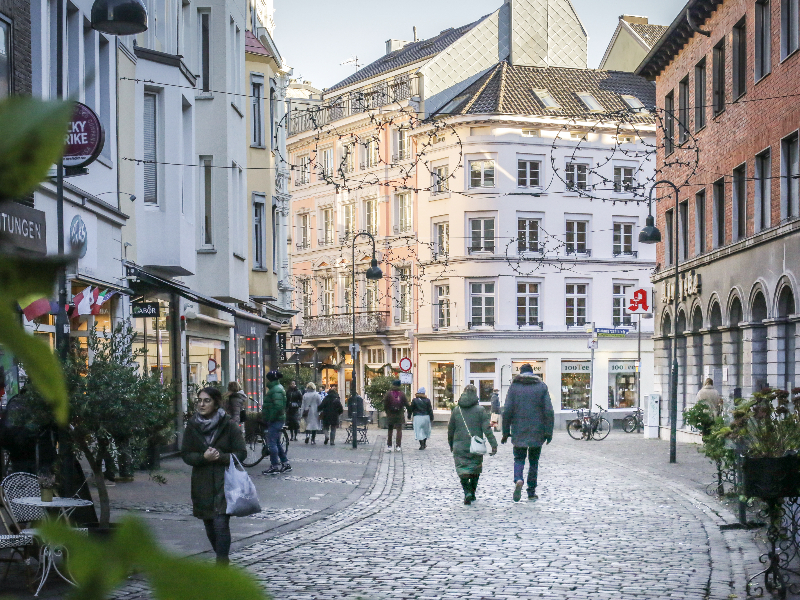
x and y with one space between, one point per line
240 491
477 445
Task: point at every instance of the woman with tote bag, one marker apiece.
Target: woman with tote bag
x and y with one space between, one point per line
469 424
310 412
210 439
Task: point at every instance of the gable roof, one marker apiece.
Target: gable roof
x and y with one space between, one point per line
508 89
649 33
408 54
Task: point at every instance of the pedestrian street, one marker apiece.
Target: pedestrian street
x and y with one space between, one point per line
612 521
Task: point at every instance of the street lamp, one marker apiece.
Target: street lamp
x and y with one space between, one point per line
651 235
374 273
297 339
119 17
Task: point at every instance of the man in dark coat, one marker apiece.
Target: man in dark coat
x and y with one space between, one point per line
329 411
395 404
294 400
528 420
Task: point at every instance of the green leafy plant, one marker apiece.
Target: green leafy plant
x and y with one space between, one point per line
768 424
377 388
289 375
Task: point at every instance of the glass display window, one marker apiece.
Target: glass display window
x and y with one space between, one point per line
575 384
621 383
153 340
206 361
250 368
442 384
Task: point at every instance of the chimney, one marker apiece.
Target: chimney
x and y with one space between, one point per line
392 45
634 19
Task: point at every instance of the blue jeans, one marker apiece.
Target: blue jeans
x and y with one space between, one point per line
276 453
532 453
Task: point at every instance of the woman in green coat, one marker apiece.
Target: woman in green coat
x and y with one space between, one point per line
466 420
208 442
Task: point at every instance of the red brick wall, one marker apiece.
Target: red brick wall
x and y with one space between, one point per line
754 122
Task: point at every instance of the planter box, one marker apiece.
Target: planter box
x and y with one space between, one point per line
770 478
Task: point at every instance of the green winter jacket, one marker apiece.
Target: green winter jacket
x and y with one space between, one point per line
458 434
274 403
208 478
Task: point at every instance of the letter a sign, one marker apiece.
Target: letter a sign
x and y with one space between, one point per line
639 300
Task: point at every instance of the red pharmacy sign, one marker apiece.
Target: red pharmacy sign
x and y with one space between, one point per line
85 137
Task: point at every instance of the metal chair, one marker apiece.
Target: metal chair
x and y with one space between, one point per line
20 545
361 428
22 485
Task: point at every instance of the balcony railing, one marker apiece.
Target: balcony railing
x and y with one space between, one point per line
358 101
342 324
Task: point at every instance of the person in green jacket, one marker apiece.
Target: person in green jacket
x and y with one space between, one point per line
208 442
466 420
274 415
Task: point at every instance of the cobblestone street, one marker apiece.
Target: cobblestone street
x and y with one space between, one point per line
608 525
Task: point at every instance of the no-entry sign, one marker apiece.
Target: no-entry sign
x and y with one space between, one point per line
85 137
405 364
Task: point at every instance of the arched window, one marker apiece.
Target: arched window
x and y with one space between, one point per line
786 343
715 321
681 341
759 353
697 347
737 340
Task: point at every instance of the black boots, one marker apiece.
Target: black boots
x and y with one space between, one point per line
466 484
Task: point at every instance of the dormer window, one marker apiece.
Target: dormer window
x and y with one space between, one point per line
546 98
590 102
633 103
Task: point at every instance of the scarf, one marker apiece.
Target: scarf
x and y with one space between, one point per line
208 427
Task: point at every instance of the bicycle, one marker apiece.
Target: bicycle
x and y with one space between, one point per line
589 426
633 422
257 447
575 427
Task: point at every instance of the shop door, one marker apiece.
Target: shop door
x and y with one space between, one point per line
485 387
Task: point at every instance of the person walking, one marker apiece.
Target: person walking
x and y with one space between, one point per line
208 442
528 420
495 402
395 404
310 411
330 409
294 401
274 416
710 397
234 402
469 419
421 413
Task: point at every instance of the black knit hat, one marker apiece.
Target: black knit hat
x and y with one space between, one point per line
274 375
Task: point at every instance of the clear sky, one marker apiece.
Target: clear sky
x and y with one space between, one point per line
315 36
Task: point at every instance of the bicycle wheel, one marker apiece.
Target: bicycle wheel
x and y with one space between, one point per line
575 429
284 441
256 451
629 424
601 430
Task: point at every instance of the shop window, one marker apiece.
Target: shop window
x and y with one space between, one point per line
621 383
482 374
206 361
250 368
154 340
442 385
575 384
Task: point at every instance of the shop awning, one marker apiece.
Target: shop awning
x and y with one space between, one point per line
163 284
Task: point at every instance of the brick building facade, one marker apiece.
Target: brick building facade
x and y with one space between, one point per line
17 15
727 75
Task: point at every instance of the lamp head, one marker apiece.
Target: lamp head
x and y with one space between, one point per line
297 336
374 272
649 233
119 17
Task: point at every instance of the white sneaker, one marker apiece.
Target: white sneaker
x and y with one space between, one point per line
398 449
388 449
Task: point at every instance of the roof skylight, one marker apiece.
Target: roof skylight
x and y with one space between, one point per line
454 103
546 98
590 102
633 103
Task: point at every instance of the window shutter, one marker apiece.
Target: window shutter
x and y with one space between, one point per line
150 150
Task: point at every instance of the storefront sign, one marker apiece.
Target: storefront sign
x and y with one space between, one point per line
639 300
142 310
575 366
282 346
536 365
622 366
689 284
23 226
85 137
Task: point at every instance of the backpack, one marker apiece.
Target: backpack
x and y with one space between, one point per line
395 403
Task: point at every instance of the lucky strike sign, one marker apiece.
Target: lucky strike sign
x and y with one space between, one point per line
85 137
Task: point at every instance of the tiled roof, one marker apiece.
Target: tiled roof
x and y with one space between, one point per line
507 89
253 45
649 33
409 54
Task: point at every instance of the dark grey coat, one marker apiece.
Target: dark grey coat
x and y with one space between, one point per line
528 414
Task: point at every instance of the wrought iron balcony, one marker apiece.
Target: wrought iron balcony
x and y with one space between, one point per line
342 324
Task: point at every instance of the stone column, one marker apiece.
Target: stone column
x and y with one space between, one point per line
694 365
796 320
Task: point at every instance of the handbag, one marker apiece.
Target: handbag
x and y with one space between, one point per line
240 492
477 445
305 414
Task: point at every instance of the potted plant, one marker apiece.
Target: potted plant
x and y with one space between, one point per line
47 485
709 421
767 426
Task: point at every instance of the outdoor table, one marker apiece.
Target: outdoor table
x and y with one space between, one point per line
47 553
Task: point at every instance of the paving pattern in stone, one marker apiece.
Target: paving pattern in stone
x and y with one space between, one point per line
601 529
277 514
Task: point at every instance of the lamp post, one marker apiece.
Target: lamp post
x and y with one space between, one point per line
651 235
297 339
373 273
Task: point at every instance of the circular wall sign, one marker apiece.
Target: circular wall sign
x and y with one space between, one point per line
405 364
85 137
78 237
